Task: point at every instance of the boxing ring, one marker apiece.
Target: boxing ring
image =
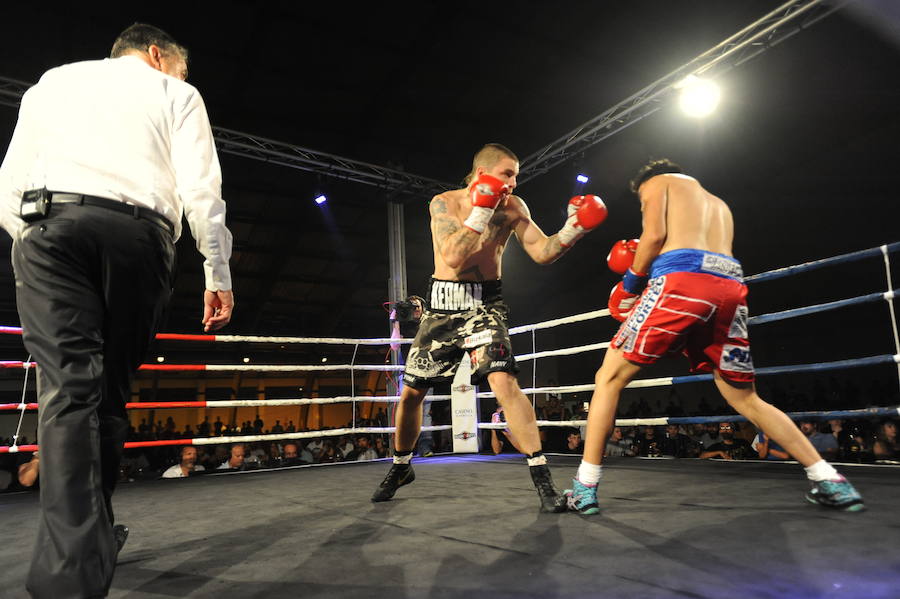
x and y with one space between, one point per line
469 526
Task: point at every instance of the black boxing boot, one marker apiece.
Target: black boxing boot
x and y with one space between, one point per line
552 501
401 473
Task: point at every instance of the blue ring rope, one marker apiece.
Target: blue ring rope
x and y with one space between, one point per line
863 299
854 363
893 411
851 257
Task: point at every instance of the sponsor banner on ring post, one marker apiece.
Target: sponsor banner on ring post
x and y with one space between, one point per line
462 403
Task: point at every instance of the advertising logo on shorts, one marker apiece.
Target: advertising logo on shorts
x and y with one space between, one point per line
639 314
736 359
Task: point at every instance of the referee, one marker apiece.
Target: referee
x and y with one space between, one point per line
106 157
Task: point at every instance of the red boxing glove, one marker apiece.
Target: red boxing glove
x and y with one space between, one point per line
621 256
486 192
621 303
585 213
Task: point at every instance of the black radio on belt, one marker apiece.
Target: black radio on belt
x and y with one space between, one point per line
35 205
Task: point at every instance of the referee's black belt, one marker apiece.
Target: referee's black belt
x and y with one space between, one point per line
154 217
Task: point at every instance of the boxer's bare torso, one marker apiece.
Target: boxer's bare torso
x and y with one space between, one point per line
448 211
679 213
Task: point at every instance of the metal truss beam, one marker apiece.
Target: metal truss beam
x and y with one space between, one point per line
393 182
769 31
782 23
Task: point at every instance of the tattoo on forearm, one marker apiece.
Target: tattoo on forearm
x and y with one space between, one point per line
553 248
446 227
465 241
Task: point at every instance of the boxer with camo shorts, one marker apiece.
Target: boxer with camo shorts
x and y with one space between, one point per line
465 312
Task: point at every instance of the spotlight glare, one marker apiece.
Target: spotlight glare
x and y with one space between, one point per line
321 199
699 97
246 360
160 359
582 178
324 360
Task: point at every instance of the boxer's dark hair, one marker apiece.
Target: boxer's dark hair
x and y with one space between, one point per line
141 36
651 169
488 156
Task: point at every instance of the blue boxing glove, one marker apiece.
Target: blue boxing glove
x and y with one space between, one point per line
634 282
625 294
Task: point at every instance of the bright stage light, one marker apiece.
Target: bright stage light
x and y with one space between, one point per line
321 199
699 97
582 178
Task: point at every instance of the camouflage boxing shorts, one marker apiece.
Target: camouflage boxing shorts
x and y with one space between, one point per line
460 317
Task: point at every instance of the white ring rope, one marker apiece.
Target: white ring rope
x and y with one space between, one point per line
890 302
662 381
22 405
331 432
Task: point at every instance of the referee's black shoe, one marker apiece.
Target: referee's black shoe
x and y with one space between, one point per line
120 531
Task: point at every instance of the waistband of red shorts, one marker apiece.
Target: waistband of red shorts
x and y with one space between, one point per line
690 260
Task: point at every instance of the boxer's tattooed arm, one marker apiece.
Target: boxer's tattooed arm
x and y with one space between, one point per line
450 236
553 249
498 227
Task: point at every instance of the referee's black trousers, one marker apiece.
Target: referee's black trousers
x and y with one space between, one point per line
91 285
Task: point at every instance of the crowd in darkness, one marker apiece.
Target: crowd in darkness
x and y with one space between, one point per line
857 440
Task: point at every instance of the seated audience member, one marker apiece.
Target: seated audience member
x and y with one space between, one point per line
501 439
677 444
315 447
28 471
187 466
291 455
886 444
710 435
236 460
648 444
574 443
255 456
859 447
363 450
618 444
345 446
380 448
330 453
824 443
274 459
730 447
768 449
839 431
134 465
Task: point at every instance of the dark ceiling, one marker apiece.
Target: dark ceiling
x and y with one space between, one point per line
803 146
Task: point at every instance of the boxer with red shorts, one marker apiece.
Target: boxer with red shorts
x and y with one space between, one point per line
696 303
692 301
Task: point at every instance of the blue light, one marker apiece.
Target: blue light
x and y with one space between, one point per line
582 178
321 199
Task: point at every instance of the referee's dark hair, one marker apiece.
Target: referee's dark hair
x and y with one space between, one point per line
141 36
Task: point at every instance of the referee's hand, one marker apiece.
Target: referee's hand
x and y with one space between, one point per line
217 309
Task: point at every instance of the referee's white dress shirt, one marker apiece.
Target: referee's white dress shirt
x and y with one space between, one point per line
119 129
